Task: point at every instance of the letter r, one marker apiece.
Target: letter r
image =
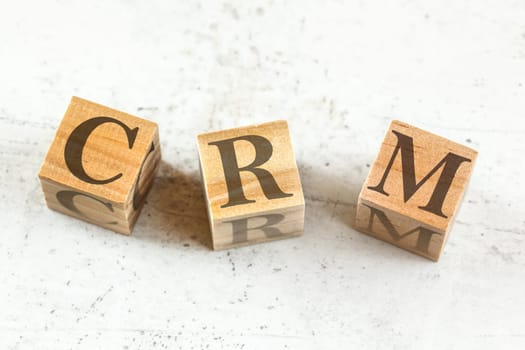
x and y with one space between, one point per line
232 171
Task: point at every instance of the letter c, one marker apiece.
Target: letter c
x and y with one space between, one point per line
66 199
77 140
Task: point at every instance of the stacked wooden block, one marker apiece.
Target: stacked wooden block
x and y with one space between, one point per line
100 165
102 162
414 189
252 184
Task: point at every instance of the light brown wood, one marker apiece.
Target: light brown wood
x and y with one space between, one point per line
414 189
252 185
100 165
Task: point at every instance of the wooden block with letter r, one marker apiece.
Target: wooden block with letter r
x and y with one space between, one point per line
100 165
252 185
414 189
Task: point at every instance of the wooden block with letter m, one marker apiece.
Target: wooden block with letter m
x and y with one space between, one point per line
251 184
100 165
414 189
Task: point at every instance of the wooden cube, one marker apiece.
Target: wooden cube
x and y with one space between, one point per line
252 185
414 189
100 165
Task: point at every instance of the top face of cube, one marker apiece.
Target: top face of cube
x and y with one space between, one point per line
419 175
250 169
98 150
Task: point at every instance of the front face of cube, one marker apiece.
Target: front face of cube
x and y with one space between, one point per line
414 189
400 230
252 184
100 165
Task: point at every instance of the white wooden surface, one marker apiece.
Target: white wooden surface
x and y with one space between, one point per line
338 71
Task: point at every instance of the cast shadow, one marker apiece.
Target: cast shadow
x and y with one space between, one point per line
175 210
332 194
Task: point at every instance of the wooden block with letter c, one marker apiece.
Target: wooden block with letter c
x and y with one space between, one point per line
414 189
100 165
252 185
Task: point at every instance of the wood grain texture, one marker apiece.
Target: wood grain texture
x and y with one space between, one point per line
339 72
414 189
100 172
270 202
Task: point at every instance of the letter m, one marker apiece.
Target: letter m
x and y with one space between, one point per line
450 164
423 239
